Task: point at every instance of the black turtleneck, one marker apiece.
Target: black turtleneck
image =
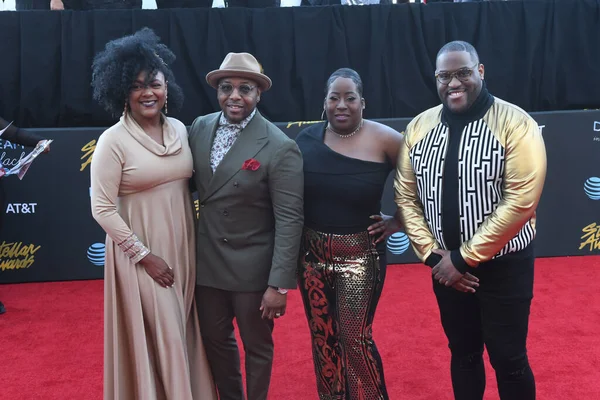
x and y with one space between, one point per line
456 123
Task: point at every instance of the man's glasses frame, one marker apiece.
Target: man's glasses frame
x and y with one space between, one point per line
244 89
462 74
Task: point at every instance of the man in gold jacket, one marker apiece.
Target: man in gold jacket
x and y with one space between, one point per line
470 175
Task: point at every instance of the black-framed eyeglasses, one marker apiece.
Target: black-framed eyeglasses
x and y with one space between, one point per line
463 74
243 89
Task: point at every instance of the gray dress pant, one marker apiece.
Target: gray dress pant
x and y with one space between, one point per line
216 310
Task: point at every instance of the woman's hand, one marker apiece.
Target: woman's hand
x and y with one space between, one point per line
385 226
158 270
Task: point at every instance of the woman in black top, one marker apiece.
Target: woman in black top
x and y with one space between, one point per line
342 262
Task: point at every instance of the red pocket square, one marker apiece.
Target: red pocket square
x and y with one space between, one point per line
251 164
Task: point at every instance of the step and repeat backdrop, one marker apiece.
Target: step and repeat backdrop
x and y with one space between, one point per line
50 235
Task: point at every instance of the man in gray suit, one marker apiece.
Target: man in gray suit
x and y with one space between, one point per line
250 187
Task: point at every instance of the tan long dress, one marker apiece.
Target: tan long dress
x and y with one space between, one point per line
152 344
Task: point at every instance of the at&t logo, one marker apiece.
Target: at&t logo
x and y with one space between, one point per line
96 254
398 243
592 188
21 208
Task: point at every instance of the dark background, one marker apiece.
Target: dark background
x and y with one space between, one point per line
541 55
64 229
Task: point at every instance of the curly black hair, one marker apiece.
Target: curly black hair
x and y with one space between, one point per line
116 67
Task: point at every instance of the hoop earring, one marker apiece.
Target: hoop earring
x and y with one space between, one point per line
323 115
125 108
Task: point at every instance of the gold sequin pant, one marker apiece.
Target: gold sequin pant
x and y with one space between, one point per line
341 278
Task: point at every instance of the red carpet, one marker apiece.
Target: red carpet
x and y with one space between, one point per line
51 338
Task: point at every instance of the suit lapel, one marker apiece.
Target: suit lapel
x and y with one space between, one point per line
247 145
202 154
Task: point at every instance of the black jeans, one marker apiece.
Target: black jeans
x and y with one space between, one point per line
497 315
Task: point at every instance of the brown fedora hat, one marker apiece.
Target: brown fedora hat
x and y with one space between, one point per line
239 65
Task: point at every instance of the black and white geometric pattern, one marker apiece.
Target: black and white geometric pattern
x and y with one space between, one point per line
480 176
481 169
427 159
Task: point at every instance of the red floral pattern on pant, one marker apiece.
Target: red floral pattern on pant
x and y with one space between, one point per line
340 281
325 344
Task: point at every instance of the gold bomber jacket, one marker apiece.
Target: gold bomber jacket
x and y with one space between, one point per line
502 168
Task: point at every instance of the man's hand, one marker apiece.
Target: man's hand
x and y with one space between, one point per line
386 225
467 283
56 5
273 304
445 272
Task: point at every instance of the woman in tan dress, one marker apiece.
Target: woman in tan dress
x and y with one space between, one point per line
140 197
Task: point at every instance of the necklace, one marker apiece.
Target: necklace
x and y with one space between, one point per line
330 129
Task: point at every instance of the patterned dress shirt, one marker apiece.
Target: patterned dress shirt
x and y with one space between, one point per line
226 135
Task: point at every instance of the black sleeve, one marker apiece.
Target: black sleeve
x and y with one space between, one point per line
15 135
433 260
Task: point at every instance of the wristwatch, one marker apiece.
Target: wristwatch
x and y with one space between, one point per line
279 290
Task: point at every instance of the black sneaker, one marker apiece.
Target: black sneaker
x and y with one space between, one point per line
2 309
